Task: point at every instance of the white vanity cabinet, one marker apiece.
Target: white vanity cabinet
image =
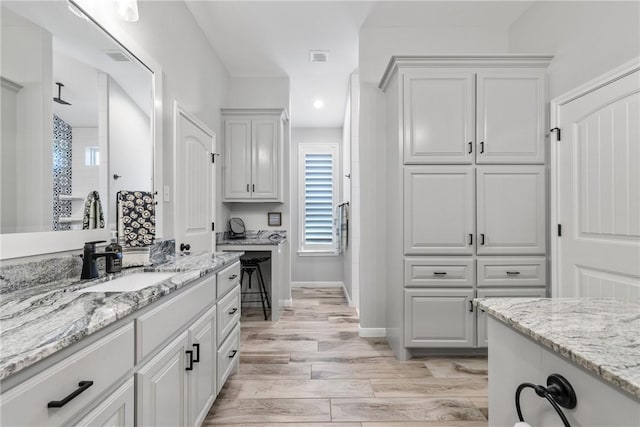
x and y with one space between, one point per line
63 391
253 154
117 410
202 379
465 183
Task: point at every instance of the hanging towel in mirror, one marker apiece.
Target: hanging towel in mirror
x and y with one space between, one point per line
136 218
341 227
93 216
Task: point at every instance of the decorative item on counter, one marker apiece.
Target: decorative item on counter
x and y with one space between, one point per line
114 264
93 216
136 218
274 219
236 228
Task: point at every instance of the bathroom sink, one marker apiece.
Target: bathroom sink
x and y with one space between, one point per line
130 283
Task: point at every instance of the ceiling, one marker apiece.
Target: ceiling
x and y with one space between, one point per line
273 39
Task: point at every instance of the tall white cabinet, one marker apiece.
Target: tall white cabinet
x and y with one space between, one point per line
466 193
253 154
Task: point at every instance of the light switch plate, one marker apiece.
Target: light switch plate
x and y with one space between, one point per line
166 194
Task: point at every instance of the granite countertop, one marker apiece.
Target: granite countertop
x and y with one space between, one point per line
602 335
40 320
254 237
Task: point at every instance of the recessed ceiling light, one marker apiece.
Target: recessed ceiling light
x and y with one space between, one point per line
318 103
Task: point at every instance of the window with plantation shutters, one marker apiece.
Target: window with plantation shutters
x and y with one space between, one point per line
318 172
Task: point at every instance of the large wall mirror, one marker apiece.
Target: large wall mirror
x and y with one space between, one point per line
78 125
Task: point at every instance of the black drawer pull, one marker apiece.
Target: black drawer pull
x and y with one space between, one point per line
470 239
482 147
439 273
190 361
233 276
513 273
470 147
471 306
482 239
232 354
196 358
82 386
233 311
247 188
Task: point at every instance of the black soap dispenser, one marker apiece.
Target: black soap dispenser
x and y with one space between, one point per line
114 262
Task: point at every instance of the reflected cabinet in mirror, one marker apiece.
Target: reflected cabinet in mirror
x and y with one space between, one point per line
77 120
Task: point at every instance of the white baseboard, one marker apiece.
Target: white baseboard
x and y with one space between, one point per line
317 285
347 296
286 302
371 332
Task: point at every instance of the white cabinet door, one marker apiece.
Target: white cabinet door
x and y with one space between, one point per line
117 410
438 210
511 118
511 210
161 386
438 117
264 159
496 293
439 318
237 159
202 380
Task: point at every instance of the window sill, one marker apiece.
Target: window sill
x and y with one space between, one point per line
317 253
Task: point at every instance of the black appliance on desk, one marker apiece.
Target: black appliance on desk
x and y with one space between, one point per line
236 229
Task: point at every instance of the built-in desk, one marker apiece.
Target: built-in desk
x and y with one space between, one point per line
278 280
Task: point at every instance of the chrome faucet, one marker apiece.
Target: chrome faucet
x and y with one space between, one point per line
89 258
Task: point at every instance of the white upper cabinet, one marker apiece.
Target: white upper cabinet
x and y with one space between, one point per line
511 210
237 159
438 117
264 159
439 210
253 154
510 117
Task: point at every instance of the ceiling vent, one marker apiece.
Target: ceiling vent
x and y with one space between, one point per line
319 56
117 55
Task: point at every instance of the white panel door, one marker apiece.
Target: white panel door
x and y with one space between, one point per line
438 210
264 159
194 183
237 159
511 210
439 318
438 118
598 205
161 385
511 118
202 380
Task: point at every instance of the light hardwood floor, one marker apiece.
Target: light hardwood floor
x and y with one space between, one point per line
312 369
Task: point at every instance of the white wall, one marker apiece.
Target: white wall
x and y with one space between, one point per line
27 60
377 45
129 148
84 178
310 268
586 38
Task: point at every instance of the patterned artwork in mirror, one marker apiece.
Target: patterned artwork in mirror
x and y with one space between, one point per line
62 136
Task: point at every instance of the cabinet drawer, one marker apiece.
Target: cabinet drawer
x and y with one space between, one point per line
228 356
104 362
119 406
228 313
439 272
514 271
228 278
156 326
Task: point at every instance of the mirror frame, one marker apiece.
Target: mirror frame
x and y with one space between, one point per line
18 245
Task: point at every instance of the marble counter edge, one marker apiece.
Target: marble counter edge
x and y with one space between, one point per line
187 273
566 352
